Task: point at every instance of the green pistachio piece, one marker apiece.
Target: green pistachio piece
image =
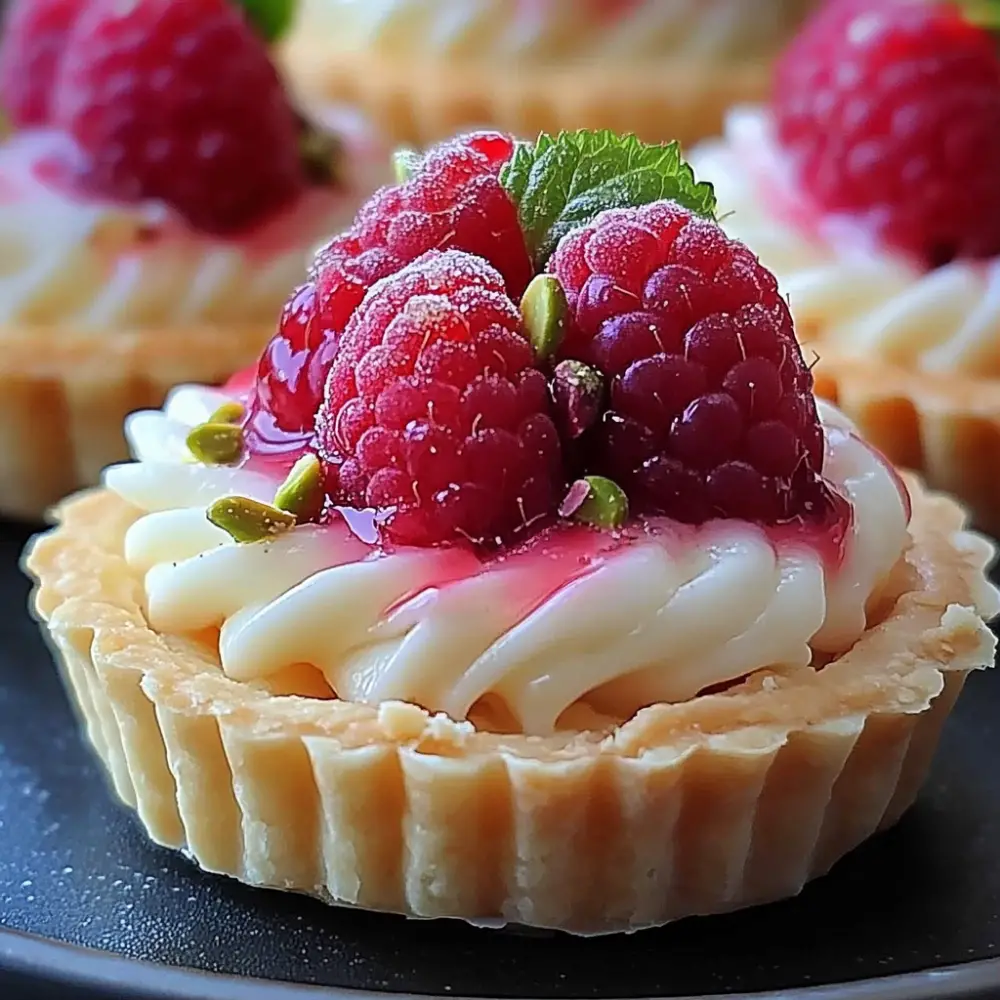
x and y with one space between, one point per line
605 504
248 520
301 494
405 163
216 443
229 413
543 309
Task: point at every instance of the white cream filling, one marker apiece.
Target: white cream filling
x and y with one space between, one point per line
539 29
88 264
863 300
657 619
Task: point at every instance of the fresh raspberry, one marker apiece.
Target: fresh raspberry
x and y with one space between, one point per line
710 410
433 411
890 111
454 201
31 47
179 102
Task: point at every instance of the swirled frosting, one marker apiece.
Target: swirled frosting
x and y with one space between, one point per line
578 621
540 30
90 264
843 291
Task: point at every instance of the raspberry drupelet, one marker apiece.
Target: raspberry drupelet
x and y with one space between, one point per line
710 410
455 201
434 412
889 111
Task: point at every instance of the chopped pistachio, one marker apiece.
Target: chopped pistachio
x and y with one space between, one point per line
216 443
577 396
405 163
543 309
230 412
605 506
248 520
301 494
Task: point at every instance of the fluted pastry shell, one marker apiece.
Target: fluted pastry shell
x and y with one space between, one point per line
429 101
64 394
727 800
946 424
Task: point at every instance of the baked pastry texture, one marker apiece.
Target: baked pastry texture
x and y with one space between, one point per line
122 275
885 240
525 585
659 68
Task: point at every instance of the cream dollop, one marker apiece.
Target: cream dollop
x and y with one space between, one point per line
843 291
612 627
90 264
536 30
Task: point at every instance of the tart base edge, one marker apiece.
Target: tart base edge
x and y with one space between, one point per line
945 426
423 104
64 395
391 809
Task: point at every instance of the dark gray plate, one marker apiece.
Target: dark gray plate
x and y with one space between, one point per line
913 915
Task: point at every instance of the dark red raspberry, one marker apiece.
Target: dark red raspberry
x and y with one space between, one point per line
454 201
890 111
179 102
711 412
433 411
31 46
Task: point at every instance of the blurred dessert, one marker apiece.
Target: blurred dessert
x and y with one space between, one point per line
158 195
424 68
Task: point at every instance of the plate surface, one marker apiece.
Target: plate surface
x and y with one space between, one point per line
74 867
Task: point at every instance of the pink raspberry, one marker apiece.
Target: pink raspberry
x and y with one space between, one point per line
890 111
454 201
710 410
433 411
31 48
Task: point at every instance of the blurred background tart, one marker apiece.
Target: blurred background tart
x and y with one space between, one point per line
868 185
158 194
424 68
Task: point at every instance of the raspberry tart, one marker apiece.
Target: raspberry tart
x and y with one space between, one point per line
158 196
867 187
524 578
424 69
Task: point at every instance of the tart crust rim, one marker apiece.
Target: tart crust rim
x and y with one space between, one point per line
268 790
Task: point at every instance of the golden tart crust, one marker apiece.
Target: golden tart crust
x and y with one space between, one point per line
727 800
64 394
424 104
946 424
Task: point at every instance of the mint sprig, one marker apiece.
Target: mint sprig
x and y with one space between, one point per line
270 18
562 183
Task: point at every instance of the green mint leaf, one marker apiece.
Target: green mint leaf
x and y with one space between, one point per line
561 183
270 18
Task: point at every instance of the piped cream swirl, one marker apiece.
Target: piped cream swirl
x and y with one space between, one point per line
87 264
539 30
843 291
612 627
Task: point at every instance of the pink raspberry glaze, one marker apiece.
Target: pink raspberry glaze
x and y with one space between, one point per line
35 165
273 452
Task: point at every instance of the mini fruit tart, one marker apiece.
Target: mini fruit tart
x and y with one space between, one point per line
158 197
426 68
524 579
868 187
